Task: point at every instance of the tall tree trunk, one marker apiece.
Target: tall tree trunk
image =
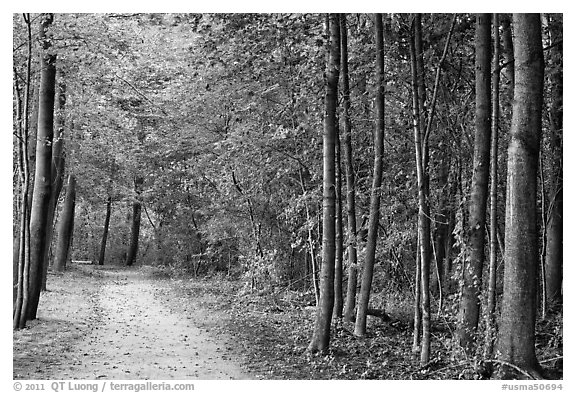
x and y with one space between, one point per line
65 226
423 187
423 228
102 255
321 338
516 343
350 182
43 176
421 144
368 270
554 240
491 303
338 270
17 187
57 174
23 237
473 264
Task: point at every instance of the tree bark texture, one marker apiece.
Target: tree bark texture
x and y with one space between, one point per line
57 174
102 255
134 233
417 124
352 243
15 258
18 186
43 176
508 51
416 337
135 227
368 270
474 262
65 226
423 191
338 270
554 238
516 342
491 295
23 237
508 71
321 336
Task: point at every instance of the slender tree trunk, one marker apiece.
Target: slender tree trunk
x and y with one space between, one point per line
423 259
33 129
135 228
158 238
368 270
423 236
17 187
516 343
321 337
350 182
420 74
310 243
473 264
65 226
102 255
255 229
43 176
491 304
338 271
313 263
554 237
16 256
441 223
57 175
417 301
448 244
421 143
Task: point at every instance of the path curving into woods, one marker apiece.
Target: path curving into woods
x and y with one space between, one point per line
117 324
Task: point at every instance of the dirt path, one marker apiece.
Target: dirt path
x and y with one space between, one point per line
129 333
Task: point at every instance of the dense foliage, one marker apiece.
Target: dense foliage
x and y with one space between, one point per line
213 122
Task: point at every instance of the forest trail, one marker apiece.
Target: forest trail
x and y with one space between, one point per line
128 332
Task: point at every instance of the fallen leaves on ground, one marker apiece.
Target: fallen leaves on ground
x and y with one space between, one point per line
272 329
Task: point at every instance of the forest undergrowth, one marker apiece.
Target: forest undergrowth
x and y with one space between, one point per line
271 329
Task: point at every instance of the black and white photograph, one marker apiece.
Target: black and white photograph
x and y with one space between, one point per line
224 197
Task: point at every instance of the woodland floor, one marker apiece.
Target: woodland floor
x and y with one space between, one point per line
106 323
117 323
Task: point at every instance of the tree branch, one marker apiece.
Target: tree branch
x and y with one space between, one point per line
437 82
515 367
142 94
